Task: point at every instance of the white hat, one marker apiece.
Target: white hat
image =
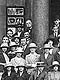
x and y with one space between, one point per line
47 46
55 63
9 65
13 44
32 45
19 50
4 45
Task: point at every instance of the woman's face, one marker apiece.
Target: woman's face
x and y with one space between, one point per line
9 68
56 68
32 50
5 40
16 40
19 54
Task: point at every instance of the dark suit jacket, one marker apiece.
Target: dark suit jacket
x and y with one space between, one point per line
49 59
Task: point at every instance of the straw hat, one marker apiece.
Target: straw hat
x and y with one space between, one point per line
32 45
4 45
9 65
19 50
46 46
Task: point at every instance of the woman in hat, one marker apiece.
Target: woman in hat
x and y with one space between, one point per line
32 57
17 60
3 56
9 73
54 73
22 74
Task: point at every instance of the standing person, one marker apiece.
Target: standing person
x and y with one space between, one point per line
9 73
46 57
18 60
32 57
54 74
22 74
40 73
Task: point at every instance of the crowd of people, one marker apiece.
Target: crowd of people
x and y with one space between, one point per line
22 59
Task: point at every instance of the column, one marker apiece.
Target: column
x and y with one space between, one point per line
40 21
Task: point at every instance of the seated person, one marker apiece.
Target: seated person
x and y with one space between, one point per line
22 74
9 73
54 73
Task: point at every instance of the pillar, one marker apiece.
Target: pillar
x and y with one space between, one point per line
2 19
40 21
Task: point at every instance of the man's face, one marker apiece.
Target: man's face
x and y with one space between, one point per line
26 35
9 34
13 48
4 49
47 51
23 41
19 54
56 68
40 68
19 29
16 40
28 23
5 40
50 43
21 68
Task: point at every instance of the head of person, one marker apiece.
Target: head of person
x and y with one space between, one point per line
9 66
32 47
28 23
16 40
13 46
40 66
47 48
55 65
50 42
4 47
21 68
26 35
19 29
23 41
9 33
19 52
5 39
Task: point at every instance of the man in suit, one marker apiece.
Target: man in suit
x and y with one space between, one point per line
46 57
32 57
25 47
40 73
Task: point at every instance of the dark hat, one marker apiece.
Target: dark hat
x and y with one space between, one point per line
29 67
41 64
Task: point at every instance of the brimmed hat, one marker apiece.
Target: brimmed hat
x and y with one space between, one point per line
9 65
32 45
13 44
4 45
55 63
46 46
41 64
19 50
